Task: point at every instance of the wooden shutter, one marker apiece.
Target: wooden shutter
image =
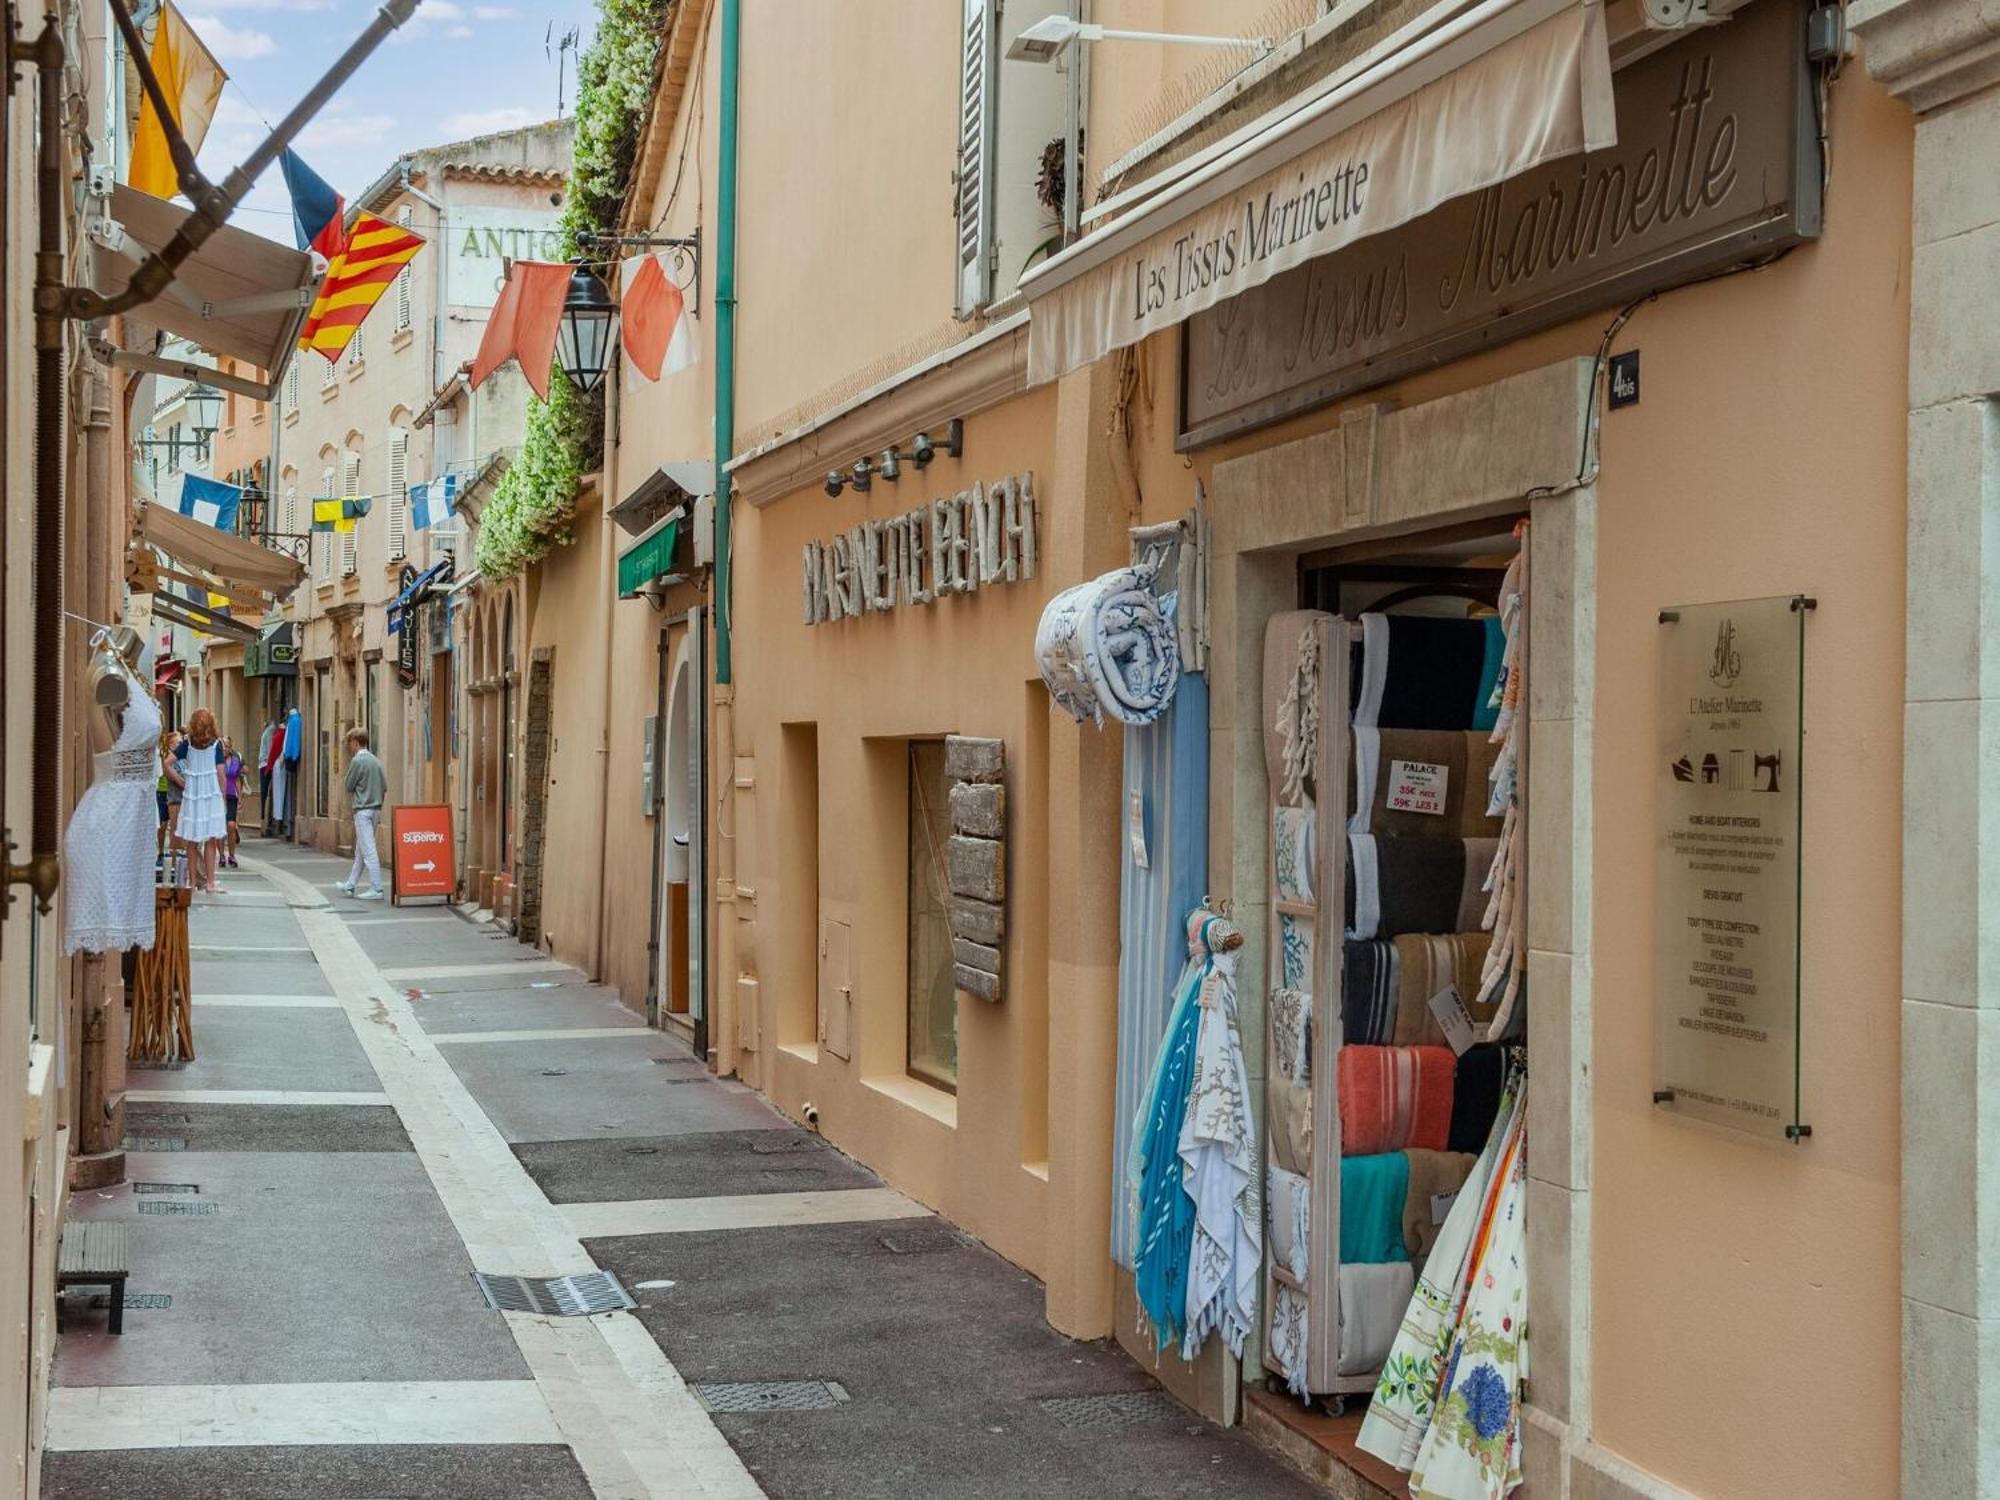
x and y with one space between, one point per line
350 485
288 519
355 353
399 495
979 79
292 382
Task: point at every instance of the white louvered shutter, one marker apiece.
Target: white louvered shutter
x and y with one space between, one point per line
354 351
979 79
288 515
292 382
350 486
399 495
403 283
324 546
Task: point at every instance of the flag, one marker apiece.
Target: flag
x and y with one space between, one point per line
523 323
318 212
210 501
357 276
339 512
652 315
191 81
432 501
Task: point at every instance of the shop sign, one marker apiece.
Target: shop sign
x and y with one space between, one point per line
1726 880
954 545
406 638
481 238
1716 165
421 834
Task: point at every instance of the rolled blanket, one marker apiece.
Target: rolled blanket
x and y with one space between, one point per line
1425 964
1372 1190
1110 646
1392 1098
1425 782
1398 885
1433 1175
1371 1306
1288 1200
1475 1096
1423 672
1369 989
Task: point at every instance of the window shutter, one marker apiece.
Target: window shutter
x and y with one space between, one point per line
399 495
325 548
292 382
350 486
403 283
354 354
979 80
288 520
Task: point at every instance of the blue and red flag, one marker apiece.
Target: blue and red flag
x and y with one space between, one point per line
318 212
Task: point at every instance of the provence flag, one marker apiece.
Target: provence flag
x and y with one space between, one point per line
210 501
373 255
432 502
339 513
316 208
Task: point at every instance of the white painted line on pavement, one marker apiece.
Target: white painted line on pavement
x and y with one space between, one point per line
251 1096
552 1034
97 1418
293 950
275 1002
593 1221
637 1431
474 971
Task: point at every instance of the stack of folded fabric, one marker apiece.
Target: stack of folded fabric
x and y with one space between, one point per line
1394 1097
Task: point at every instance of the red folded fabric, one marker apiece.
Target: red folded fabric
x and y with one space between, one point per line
1395 1099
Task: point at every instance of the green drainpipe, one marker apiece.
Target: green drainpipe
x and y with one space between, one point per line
725 331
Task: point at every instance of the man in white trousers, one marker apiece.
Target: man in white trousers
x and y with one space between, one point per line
367 785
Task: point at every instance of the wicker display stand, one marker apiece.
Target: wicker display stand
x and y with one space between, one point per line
163 987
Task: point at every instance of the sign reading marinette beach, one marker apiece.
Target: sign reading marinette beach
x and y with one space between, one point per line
1726 878
1715 164
954 545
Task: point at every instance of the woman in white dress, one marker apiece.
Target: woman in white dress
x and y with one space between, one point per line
204 821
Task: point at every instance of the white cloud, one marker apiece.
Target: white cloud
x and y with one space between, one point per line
230 44
339 131
492 12
486 121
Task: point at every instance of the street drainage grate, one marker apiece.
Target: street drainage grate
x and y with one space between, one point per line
554 1296
177 1189
181 1206
154 1143
156 1301
1117 1409
769 1395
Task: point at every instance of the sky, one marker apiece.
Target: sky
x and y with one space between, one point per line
456 69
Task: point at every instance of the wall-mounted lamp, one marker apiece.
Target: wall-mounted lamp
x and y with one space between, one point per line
889 463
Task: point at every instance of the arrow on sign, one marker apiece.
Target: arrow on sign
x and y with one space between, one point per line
426 867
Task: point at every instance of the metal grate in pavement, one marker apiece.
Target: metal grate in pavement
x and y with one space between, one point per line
154 1143
769 1395
1113 1409
554 1296
178 1206
157 1301
164 1189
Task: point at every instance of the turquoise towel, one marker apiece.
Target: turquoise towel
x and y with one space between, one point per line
1485 712
1372 1191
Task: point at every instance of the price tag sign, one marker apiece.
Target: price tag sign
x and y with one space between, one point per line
1417 786
423 850
1453 1017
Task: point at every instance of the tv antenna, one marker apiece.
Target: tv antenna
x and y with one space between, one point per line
559 49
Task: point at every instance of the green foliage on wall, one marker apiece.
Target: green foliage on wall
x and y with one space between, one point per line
530 512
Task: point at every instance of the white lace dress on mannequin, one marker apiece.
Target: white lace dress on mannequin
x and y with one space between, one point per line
108 851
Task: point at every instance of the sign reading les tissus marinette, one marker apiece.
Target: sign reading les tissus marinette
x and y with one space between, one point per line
421 834
1726 881
1716 164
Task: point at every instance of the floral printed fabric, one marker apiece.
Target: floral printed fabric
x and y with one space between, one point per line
1288 1338
1218 1151
1110 646
1292 849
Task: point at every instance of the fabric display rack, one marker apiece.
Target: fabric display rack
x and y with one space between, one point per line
162 1022
1394 745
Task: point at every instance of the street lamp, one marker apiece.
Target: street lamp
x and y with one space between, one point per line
583 339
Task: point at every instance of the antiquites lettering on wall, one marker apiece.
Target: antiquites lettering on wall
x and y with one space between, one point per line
1716 165
954 545
976 861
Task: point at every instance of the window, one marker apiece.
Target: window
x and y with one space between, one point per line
399 494
403 283
371 717
291 402
288 517
1001 220
350 487
979 65
933 998
354 351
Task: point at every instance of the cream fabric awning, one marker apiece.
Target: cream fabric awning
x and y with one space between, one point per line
229 559
1504 87
239 296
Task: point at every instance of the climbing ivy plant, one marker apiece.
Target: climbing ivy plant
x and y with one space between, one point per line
531 510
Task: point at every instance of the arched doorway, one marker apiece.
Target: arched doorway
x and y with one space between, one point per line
679 820
505 769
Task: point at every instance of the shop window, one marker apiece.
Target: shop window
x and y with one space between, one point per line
932 998
1007 119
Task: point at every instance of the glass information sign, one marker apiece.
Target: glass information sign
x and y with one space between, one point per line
1726 887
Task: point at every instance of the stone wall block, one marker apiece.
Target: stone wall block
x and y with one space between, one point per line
976 982
975 956
977 868
967 759
978 921
979 809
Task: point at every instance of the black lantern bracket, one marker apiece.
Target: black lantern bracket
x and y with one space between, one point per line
685 257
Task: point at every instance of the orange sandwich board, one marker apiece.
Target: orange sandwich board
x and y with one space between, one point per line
422 836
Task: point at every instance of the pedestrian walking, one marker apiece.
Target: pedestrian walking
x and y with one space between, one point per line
367 786
203 823
232 791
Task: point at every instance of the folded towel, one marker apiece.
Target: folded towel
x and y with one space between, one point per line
1394 1097
1427 782
1372 1190
1398 885
1372 1302
1424 672
1433 1175
1291 1034
1292 852
1295 956
1289 1110
1425 964
1475 1096
1288 1207
1368 992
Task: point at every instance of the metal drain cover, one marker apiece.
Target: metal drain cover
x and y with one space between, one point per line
1115 1409
769 1395
145 1189
154 1143
554 1296
157 1301
178 1206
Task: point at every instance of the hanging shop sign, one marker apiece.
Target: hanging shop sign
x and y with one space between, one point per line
1717 164
954 545
482 238
406 640
421 833
1726 888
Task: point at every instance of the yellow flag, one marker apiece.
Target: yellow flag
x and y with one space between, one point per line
191 79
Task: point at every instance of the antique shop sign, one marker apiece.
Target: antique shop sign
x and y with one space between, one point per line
1726 883
954 545
1716 164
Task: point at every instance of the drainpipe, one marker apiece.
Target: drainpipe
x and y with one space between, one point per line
721 976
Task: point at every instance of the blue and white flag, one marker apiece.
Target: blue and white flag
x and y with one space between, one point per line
210 501
432 501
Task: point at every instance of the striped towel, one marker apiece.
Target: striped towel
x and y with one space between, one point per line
1393 1098
1398 885
1456 766
1425 964
1368 992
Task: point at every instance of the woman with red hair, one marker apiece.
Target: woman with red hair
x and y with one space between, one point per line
204 822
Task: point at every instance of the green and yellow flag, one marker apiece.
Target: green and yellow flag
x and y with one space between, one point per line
191 79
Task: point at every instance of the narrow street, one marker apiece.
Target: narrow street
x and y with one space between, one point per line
385 1101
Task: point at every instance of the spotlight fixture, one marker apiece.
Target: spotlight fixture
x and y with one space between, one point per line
861 476
835 482
924 448
890 464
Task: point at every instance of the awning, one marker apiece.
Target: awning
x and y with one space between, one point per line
240 295
1504 87
167 674
648 559
400 605
229 559
186 612
668 486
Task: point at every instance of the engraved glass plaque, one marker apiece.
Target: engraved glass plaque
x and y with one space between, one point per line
1726 888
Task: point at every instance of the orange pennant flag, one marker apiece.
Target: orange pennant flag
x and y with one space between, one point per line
523 323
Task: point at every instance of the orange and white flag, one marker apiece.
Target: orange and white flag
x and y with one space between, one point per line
658 335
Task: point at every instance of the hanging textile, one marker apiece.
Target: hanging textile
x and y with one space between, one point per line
108 847
1506 968
1415 885
1426 672
1423 782
1218 1151
1110 646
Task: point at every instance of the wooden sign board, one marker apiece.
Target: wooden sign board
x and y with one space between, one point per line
422 854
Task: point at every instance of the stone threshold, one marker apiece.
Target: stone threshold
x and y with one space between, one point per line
1320 1446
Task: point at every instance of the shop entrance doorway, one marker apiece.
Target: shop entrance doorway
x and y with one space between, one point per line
679 911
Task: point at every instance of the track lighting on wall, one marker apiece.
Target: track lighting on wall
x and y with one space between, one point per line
922 448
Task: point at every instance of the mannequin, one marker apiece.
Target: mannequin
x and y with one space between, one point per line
108 848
